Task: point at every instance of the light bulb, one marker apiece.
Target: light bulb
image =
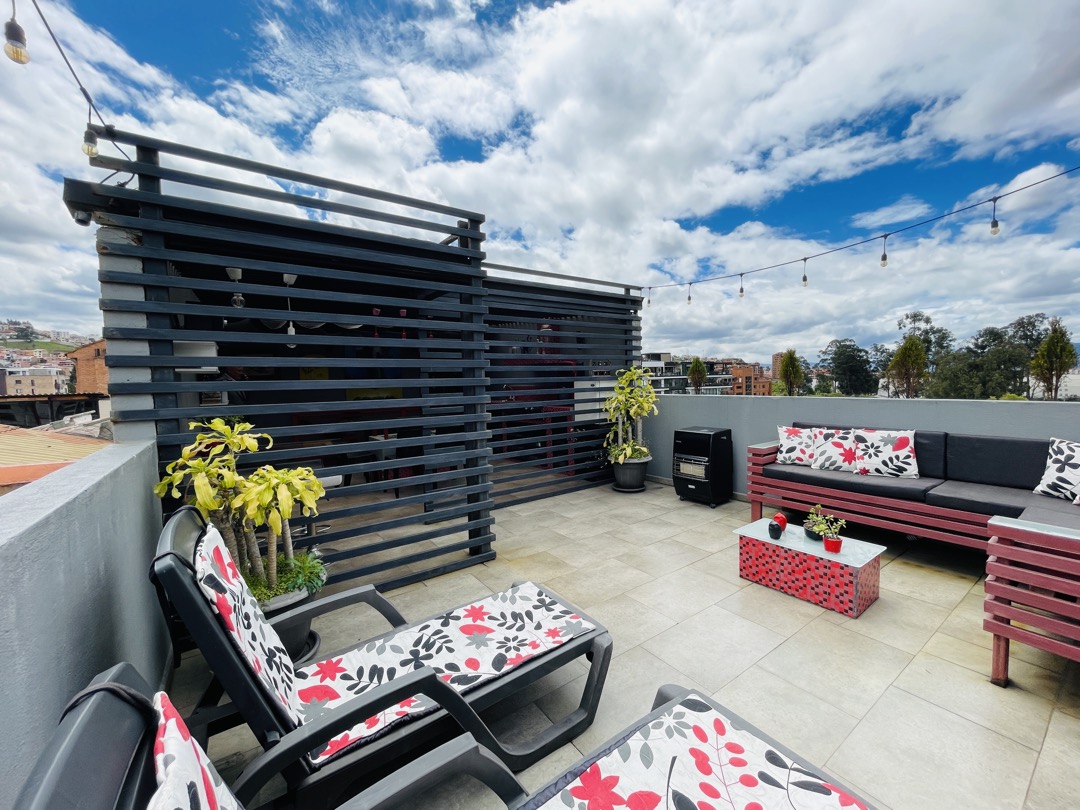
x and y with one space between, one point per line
291 331
884 255
688 296
15 47
994 229
238 301
884 260
805 281
89 144
742 293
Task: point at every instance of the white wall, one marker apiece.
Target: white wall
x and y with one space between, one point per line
75 550
754 419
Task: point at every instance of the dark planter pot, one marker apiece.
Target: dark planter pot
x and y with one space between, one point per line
299 640
810 533
630 474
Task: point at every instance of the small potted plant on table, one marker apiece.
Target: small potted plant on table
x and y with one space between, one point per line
822 527
633 399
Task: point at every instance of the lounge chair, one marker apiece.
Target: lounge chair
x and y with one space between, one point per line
689 752
484 651
119 746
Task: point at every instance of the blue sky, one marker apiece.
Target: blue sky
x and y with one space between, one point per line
649 142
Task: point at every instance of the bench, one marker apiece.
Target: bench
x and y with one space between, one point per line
965 480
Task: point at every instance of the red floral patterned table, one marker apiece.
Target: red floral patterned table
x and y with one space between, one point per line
847 582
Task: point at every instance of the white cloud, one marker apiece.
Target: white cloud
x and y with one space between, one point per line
905 209
605 122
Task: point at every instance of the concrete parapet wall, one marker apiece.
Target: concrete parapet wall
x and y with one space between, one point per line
75 549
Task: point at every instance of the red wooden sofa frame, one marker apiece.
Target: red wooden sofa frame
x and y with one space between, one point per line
898 515
1032 590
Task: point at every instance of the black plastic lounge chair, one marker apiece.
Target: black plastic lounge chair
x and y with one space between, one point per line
483 651
689 752
102 754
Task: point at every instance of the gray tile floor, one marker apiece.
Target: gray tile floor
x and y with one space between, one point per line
896 703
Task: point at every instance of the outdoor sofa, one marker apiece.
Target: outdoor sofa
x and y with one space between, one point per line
477 654
974 491
116 742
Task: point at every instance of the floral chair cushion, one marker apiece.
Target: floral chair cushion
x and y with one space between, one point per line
796 445
466 647
694 757
186 778
243 620
1061 479
836 450
886 452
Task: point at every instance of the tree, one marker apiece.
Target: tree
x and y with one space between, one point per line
1055 357
696 374
880 357
791 372
1031 331
937 340
25 332
824 384
849 366
907 371
807 387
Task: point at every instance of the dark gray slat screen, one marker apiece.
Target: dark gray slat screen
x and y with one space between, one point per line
553 351
382 385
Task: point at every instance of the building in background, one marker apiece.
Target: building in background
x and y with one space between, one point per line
32 381
91 376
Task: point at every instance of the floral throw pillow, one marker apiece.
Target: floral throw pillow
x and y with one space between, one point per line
1061 479
186 778
886 452
796 445
836 450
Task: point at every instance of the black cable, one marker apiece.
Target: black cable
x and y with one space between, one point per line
82 89
872 238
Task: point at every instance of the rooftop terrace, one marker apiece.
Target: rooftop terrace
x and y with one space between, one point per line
896 703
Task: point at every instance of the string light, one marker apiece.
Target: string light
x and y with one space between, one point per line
15 45
689 287
868 240
742 293
805 281
648 299
235 274
884 255
994 229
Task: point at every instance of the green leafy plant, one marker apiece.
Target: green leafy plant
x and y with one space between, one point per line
823 524
632 400
206 477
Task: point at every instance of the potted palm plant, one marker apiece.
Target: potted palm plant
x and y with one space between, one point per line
633 399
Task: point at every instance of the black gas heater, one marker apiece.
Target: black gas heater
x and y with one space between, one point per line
701 465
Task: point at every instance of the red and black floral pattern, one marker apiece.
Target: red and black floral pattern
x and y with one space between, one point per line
466 647
797 445
694 757
886 452
836 450
186 778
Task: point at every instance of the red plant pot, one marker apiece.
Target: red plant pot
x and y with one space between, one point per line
833 544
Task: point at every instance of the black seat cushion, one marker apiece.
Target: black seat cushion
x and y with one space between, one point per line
996 460
986 499
907 489
929 447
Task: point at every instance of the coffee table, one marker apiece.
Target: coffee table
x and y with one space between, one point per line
847 582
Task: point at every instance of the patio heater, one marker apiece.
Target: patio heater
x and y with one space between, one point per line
701 465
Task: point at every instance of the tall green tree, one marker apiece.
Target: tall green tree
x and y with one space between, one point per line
791 372
907 371
1054 359
696 374
25 332
1031 331
937 340
849 366
807 386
